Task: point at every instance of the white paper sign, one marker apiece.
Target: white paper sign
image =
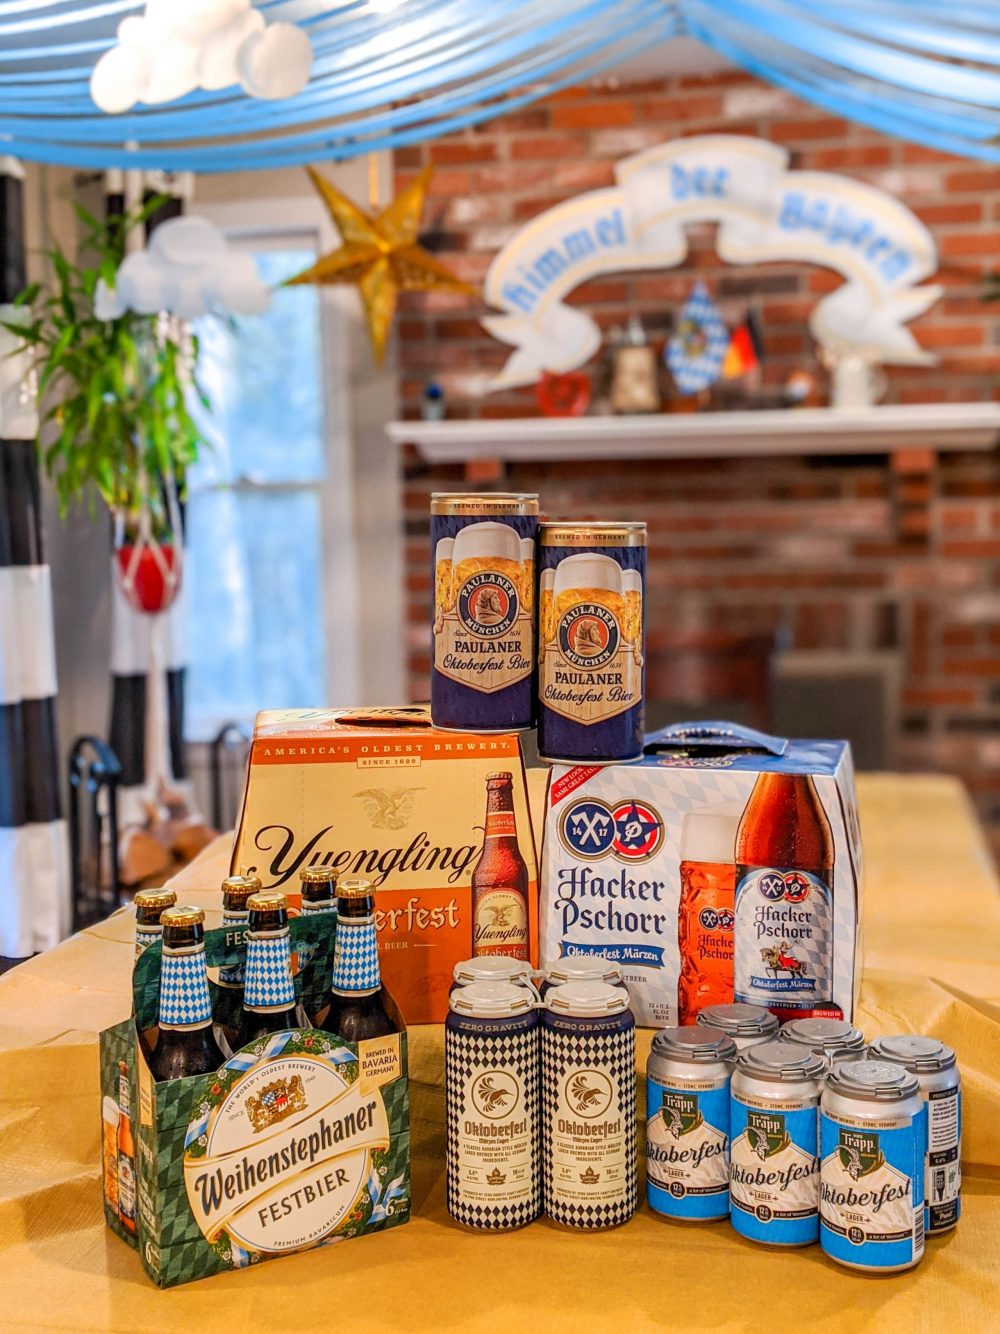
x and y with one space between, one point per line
765 213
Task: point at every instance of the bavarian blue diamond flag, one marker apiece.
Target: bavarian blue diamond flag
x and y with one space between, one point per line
697 349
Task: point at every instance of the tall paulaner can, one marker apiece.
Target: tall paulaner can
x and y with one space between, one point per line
687 1122
873 1133
836 1039
483 550
591 673
747 1025
588 1106
936 1072
774 1164
492 1106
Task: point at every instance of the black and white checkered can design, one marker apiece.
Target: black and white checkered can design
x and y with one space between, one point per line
589 1172
492 1106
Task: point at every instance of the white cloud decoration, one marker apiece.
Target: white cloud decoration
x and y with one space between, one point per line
188 270
177 46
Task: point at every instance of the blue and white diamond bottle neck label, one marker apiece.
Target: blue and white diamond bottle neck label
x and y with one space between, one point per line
184 996
268 985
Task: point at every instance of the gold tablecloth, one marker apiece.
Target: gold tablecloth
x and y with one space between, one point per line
932 949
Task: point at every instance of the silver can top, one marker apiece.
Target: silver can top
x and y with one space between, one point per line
740 1020
491 1000
694 1042
785 1062
878 1081
823 1034
583 968
585 1000
492 968
922 1056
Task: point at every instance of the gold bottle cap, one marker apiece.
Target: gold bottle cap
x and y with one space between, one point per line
186 915
241 886
269 902
155 898
317 875
354 887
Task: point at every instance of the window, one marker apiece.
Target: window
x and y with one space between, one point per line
254 576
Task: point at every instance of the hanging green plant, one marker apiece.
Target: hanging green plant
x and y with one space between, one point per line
112 393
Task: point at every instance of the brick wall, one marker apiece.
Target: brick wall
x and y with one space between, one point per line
896 553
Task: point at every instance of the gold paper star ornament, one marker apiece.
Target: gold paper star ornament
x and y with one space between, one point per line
380 255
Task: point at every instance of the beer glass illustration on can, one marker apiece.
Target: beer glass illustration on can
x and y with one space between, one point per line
484 608
591 656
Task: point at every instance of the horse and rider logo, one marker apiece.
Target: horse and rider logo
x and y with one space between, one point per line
779 959
766 1134
859 1153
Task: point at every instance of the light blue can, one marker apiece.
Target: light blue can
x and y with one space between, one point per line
873 1137
687 1125
774 1163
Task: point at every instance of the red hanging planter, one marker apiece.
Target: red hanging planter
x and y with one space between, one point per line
151 577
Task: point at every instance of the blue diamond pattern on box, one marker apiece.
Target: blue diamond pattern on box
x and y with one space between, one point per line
184 998
269 983
355 957
697 350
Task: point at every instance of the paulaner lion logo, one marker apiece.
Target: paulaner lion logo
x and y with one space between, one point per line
388 807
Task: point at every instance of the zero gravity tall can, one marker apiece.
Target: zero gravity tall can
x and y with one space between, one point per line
589 1173
591 673
492 1106
483 553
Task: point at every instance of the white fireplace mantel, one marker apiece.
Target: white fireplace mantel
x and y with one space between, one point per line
875 430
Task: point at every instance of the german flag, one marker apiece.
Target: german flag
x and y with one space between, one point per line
745 348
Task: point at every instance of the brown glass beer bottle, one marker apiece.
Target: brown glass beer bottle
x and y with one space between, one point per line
783 931
500 878
357 997
269 1003
185 1041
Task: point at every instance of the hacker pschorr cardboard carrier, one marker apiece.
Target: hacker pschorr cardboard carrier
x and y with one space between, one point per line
725 864
299 1140
382 793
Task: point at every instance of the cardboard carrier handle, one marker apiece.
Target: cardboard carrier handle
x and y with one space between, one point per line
715 736
417 715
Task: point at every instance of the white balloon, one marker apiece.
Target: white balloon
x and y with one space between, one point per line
194 20
187 242
174 72
142 283
239 287
217 65
108 303
119 79
275 63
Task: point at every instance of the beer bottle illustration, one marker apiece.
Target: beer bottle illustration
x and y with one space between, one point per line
783 933
126 1152
705 912
500 878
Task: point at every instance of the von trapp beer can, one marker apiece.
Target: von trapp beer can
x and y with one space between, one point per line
483 549
492 1106
836 1039
936 1072
873 1133
747 1025
588 1106
591 642
687 1122
774 1164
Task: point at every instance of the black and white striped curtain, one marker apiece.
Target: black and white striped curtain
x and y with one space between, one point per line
34 860
147 707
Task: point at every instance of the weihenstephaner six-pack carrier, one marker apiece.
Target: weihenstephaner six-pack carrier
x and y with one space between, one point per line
725 864
298 1140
